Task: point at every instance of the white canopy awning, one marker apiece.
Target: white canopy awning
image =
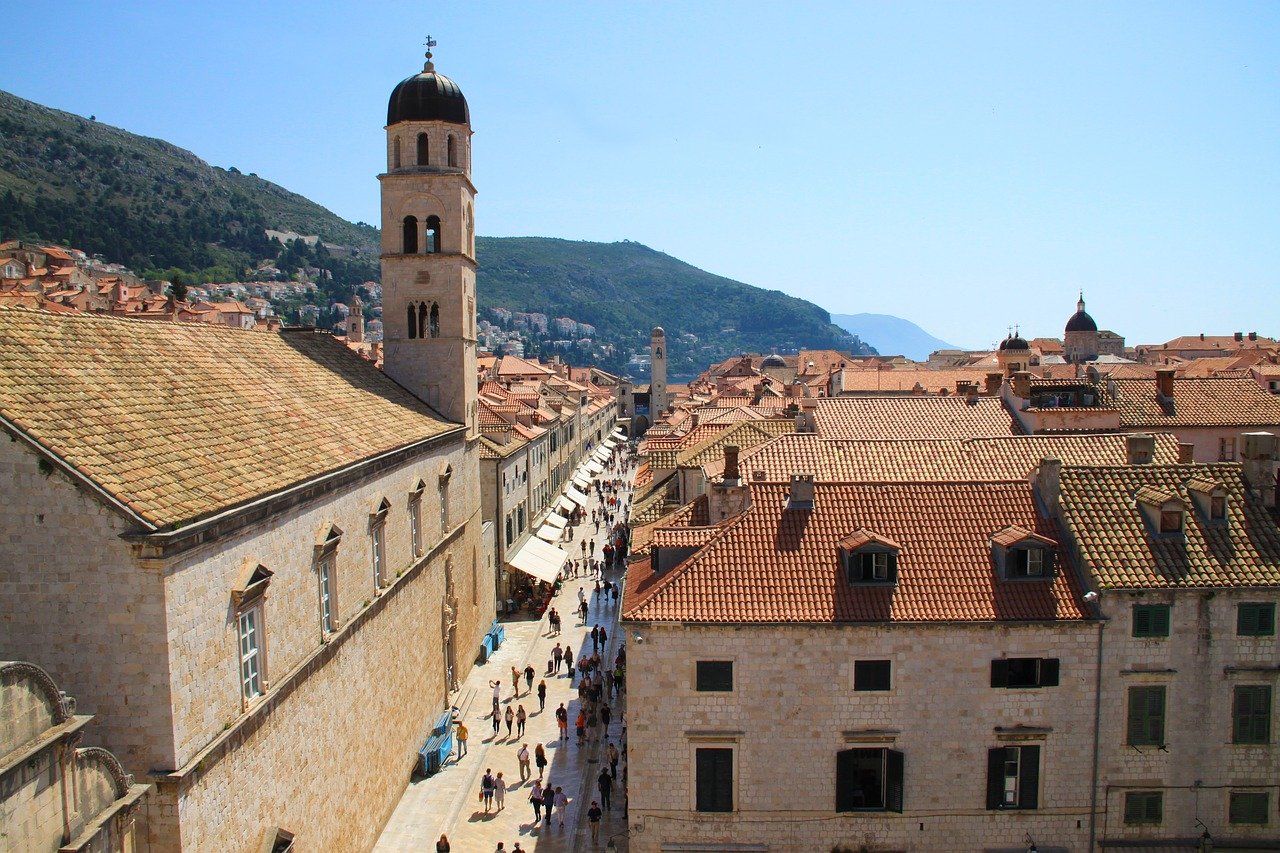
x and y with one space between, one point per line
549 532
558 521
576 496
602 454
582 481
609 443
594 467
618 434
565 504
539 559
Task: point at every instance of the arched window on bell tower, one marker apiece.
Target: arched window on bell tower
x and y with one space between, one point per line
412 325
395 153
433 235
435 320
422 319
453 151
424 150
410 235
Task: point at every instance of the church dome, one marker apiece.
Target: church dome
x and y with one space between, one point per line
428 97
774 360
1014 343
1081 321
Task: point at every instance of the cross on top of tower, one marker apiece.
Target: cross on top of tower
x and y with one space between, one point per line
430 42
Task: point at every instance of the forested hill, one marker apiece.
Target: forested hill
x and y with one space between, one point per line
624 289
165 213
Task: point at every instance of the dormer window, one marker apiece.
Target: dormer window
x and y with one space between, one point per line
869 558
1163 510
1210 499
1170 520
1022 554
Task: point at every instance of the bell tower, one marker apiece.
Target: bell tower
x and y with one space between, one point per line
658 400
428 245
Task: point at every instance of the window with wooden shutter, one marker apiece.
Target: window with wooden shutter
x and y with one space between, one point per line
1256 619
1251 714
1249 807
1143 807
714 783
1150 620
1013 777
1146 716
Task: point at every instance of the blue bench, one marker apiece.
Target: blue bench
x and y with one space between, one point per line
439 745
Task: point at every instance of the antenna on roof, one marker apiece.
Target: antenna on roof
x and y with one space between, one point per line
430 44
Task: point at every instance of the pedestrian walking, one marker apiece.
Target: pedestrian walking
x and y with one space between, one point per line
442 846
597 592
580 725
522 756
562 804
510 718
497 690
582 595
606 714
542 695
486 789
515 681
562 719
604 636
521 716
540 759
535 797
569 660
595 638
462 735
557 655
500 791
594 814
548 801
582 613
528 678
605 783
612 754
497 721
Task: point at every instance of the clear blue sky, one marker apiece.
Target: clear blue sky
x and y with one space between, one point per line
964 165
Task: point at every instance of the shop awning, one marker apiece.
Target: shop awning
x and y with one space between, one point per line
594 468
576 496
565 504
582 481
609 443
618 434
557 521
539 559
549 532
601 454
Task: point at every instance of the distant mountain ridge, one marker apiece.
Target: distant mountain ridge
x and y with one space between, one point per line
891 335
156 207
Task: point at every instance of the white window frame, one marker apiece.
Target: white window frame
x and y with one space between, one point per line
324 571
252 659
377 534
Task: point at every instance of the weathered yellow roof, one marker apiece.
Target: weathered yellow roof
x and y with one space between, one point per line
181 420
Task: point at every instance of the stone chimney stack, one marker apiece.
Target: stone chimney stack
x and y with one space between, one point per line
1048 483
807 420
1021 384
800 495
993 383
1258 456
1140 449
1186 453
731 475
1164 383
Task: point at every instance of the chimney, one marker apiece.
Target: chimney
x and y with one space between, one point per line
1021 384
1048 478
970 391
808 414
1258 464
731 476
1253 336
993 383
1202 336
1164 383
1186 453
800 495
1140 449
1239 336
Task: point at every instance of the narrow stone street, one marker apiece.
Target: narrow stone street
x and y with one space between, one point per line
449 801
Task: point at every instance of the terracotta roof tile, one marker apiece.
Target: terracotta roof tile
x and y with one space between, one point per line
1197 402
178 421
776 565
913 417
1118 547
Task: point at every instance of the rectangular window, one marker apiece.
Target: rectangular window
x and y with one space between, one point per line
715 675
869 780
379 555
1171 521
714 779
1217 508
1146 716
872 567
325 570
1226 450
1143 807
1256 619
871 675
1029 563
1150 620
1024 672
510 532
250 653
444 505
415 526
1249 807
1013 777
1251 714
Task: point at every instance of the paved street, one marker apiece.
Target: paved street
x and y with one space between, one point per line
449 801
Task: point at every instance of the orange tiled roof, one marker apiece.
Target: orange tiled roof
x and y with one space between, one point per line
774 565
1007 458
1120 551
178 421
913 417
1197 402
928 381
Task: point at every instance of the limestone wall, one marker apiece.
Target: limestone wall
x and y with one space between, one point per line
793 708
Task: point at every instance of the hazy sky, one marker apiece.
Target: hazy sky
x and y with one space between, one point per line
964 165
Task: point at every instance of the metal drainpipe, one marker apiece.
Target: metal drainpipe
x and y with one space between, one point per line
1097 727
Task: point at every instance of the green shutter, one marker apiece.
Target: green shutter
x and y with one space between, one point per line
1256 619
1146 716
1029 778
1143 807
1249 807
1000 673
846 779
1150 620
995 778
1251 714
1049 672
893 771
714 780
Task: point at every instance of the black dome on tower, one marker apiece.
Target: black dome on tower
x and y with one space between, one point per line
1014 343
1081 321
428 96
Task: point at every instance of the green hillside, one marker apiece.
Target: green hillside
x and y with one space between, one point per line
163 211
